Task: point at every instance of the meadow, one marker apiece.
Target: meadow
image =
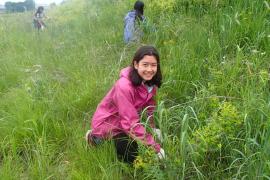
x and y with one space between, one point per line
213 107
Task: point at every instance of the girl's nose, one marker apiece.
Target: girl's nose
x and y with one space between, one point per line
149 68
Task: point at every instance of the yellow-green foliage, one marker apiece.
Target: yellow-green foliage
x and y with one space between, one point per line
226 123
211 2
145 159
169 5
203 2
264 76
161 6
229 119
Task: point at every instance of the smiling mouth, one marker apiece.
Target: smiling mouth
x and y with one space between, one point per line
148 75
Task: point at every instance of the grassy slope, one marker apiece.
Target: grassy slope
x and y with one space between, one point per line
51 82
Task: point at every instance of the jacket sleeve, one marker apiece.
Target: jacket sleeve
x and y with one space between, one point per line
129 118
151 104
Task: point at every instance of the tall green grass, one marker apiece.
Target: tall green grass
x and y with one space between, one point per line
213 107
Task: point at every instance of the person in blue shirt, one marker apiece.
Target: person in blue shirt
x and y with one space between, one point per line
133 19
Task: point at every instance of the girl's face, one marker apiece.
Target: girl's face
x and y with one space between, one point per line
146 67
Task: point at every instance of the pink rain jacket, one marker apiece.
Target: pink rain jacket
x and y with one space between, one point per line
118 112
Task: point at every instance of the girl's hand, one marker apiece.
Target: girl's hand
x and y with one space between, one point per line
158 134
161 154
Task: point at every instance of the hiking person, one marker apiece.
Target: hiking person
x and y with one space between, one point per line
132 21
118 114
38 18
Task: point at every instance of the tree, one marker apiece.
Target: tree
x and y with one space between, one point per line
9 6
29 4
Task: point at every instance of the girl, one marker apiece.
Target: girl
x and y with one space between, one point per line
38 18
132 20
117 116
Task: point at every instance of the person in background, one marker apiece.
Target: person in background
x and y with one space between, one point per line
132 21
38 19
117 116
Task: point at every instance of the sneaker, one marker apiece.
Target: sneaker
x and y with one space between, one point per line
88 138
92 140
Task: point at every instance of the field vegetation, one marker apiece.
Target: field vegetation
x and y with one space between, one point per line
213 107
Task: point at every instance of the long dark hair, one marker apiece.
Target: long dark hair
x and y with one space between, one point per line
138 7
134 77
40 9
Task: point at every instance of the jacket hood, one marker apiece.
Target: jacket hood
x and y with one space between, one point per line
125 72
